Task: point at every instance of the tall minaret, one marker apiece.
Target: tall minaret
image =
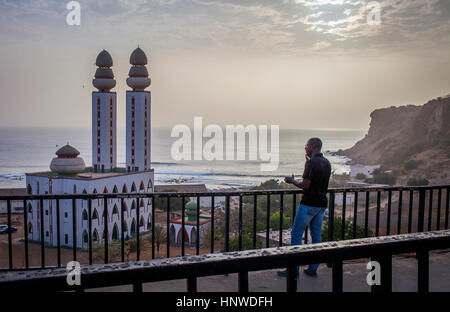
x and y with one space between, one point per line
138 114
104 108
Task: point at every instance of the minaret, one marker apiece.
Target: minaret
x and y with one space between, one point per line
138 114
104 108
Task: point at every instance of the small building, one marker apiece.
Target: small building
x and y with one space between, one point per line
190 226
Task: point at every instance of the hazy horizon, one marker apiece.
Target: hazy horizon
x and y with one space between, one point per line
300 64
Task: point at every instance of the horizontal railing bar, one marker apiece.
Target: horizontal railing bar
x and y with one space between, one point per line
215 193
225 263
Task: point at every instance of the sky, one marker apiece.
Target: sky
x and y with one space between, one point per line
293 63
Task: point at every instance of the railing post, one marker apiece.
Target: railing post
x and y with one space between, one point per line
167 226
344 204
90 229
74 229
385 261
137 287
255 204
58 232
330 221
423 270
331 217
212 223
192 284
41 210
337 276
122 230
105 227
421 217
267 220
227 223
25 228
243 282
10 253
291 280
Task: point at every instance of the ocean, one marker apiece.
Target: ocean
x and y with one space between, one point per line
25 150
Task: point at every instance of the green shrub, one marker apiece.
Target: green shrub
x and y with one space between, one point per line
247 243
275 221
337 233
361 176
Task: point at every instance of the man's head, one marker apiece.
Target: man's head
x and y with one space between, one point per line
313 146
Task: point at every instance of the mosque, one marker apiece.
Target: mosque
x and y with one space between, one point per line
69 174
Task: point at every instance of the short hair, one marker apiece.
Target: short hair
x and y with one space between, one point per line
316 143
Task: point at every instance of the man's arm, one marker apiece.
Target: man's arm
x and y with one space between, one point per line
304 184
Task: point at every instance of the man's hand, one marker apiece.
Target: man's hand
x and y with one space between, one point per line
289 180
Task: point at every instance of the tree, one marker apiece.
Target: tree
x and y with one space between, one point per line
361 176
160 237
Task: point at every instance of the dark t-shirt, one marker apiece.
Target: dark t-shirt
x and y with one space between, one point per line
318 170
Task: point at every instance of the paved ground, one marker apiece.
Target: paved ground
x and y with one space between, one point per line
355 273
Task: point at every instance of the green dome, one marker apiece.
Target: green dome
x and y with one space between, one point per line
191 211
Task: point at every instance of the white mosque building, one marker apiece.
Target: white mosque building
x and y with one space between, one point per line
69 175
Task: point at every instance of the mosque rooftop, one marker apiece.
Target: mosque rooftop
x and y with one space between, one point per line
88 174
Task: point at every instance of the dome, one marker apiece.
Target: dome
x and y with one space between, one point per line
104 59
138 71
67 161
138 57
67 150
191 211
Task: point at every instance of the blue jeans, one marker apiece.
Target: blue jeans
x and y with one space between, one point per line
308 215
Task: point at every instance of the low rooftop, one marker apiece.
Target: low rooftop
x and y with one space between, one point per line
87 174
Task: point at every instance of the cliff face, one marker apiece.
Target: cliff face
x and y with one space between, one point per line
414 134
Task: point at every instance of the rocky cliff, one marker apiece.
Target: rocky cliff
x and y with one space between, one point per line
412 139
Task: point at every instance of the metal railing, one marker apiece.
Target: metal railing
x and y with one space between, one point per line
422 215
136 273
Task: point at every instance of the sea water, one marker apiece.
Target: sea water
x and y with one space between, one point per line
25 150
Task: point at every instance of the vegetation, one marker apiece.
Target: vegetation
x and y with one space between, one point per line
175 202
361 176
411 164
275 221
247 243
381 177
160 237
337 233
417 181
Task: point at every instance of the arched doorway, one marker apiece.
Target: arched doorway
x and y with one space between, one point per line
115 232
133 228
85 239
172 235
186 236
193 236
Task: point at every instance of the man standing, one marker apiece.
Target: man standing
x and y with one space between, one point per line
316 177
